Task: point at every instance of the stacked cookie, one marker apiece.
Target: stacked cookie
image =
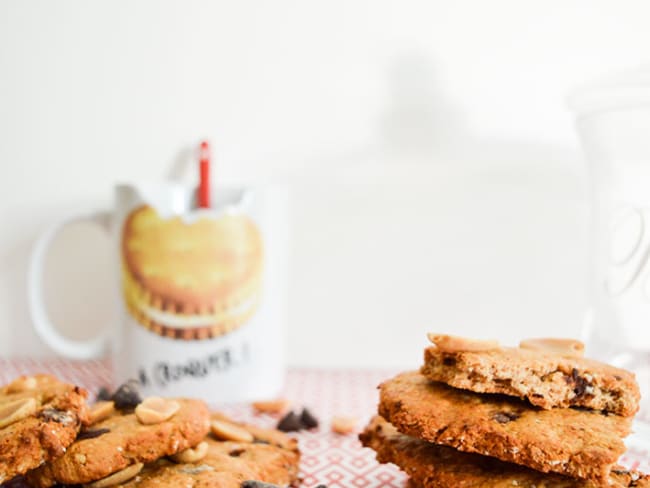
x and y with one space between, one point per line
49 436
481 415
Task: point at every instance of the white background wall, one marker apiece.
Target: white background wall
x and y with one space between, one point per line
435 177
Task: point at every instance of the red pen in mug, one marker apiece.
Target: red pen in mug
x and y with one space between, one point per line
204 176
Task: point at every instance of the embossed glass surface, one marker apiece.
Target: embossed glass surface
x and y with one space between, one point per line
613 121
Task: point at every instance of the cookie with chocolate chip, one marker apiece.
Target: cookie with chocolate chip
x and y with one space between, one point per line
234 455
119 442
433 466
549 373
577 443
40 417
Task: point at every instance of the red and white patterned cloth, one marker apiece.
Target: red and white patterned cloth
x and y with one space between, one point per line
331 459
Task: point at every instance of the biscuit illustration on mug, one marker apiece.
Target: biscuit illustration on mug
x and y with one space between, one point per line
191 280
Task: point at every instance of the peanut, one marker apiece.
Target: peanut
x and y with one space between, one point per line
563 347
230 432
100 411
272 406
116 478
191 455
343 425
154 410
449 343
24 383
15 411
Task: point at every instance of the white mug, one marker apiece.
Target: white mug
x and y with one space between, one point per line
201 292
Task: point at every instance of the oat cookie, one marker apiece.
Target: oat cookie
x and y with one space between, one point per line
577 443
123 440
433 466
269 457
544 377
225 465
39 418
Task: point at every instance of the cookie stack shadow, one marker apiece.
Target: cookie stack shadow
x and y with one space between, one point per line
480 415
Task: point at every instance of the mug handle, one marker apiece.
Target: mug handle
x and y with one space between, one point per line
43 326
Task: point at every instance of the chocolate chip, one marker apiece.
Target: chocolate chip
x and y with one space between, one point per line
505 417
91 433
127 396
580 383
258 484
104 394
449 361
260 441
236 452
308 420
58 416
290 423
17 482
